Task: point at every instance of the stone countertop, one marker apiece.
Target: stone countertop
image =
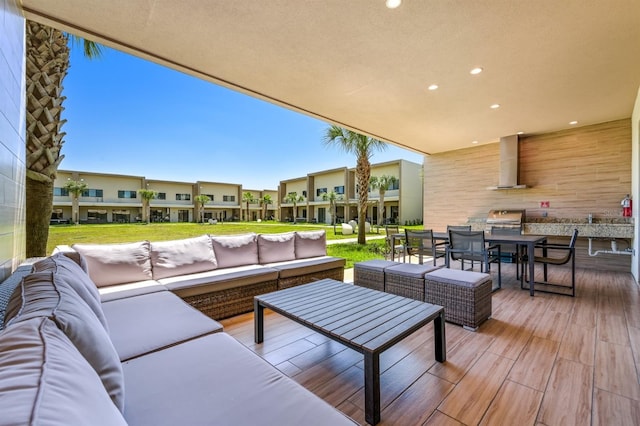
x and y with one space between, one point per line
607 228
593 230
595 221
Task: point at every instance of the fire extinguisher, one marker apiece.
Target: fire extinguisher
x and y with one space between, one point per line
626 204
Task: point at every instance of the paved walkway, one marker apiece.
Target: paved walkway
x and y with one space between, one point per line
355 239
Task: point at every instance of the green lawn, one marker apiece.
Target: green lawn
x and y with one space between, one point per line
122 233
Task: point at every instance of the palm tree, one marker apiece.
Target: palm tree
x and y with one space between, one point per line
75 188
363 147
265 201
382 184
202 200
294 199
248 198
332 197
147 195
47 62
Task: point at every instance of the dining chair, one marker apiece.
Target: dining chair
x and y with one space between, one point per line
512 250
392 248
421 243
458 228
568 254
471 246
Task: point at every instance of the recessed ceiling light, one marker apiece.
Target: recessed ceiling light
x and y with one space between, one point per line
474 142
476 70
433 87
521 133
392 4
495 106
573 122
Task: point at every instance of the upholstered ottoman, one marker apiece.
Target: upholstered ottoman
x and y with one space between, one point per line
465 295
370 274
407 279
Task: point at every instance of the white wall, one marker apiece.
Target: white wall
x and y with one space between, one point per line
411 191
12 137
635 183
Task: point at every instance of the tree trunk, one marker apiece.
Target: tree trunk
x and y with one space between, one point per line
381 209
363 171
47 61
38 214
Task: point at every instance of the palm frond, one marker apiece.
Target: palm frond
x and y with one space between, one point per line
91 49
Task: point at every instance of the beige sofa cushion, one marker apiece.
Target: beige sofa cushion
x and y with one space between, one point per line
151 322
122 291
219 279
110 264
276 247
227 385
235 250
45 294
71 273
310 244
180 257
45 381
314 265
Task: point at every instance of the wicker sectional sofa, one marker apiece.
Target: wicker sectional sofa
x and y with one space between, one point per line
218 275
137 354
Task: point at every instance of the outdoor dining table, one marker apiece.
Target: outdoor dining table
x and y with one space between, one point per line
528 241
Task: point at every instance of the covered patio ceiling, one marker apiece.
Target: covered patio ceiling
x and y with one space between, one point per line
360 65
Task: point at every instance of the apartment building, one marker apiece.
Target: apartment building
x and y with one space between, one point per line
114 198
402 201
111 198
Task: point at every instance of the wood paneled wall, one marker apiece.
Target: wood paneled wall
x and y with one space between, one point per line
579 171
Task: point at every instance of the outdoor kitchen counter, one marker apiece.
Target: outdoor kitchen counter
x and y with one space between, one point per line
600 228
593 230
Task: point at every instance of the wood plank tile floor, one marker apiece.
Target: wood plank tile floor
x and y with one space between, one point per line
543 360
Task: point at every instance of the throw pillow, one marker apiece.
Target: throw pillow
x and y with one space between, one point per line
235 250
276 247
181 257
310 244
110 264
45 294
45 380
70 272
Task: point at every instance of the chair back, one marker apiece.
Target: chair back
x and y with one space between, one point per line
574 237
569 250
466 245
391 229
458 228
499 230
571 247
417 240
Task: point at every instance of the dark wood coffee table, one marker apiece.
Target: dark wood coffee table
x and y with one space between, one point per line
368 321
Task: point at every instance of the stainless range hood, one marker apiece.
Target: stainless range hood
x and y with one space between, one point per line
508 175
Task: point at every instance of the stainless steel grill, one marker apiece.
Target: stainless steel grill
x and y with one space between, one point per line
512 219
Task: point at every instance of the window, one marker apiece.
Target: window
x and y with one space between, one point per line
210 196
60 192
92 193
161 196
127 194
338 189
228 198
183 197
320 191
304 194
395 185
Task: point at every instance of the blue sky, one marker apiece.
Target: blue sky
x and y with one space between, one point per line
129 116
